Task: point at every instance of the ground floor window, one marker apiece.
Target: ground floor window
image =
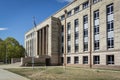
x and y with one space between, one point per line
62 60
76 60
110 59
68 60
85 59
96 59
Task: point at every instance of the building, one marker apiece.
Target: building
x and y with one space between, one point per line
84 33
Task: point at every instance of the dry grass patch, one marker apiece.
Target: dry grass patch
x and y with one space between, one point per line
59 73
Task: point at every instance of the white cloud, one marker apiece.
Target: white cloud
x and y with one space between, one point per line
65 0
1 29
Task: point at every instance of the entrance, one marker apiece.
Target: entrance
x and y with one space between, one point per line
48 62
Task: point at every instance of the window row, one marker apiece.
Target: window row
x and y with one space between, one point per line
96 59
77 9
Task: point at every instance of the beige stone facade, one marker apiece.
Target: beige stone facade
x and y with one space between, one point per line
48 39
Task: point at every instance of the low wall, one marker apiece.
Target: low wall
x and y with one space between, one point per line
14 60
28 61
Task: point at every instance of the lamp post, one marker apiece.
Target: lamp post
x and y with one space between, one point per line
33 49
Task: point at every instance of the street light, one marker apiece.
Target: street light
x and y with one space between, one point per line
33 49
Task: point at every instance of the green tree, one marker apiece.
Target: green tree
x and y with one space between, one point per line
11 48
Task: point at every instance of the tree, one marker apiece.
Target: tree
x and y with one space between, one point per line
11 49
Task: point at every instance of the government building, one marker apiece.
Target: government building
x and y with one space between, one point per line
84 33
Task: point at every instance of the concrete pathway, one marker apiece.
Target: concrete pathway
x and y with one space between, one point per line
6 75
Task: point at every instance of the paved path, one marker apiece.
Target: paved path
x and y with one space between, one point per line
6 75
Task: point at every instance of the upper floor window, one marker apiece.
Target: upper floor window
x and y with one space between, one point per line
62 17
68 26
69 13
110 43
96 14
85 5
76 9
76 23
62 28
85 19
96 30
95 1
110 26
110 9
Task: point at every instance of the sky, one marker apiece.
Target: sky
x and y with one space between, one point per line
16 16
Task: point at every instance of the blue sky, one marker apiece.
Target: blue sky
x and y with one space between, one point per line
16 15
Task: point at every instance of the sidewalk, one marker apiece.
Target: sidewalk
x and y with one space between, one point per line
6 75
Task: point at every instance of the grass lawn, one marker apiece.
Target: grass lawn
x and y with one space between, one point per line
71 73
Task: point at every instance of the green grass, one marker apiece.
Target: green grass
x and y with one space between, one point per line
59 73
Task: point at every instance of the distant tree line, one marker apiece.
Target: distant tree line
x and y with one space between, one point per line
10 48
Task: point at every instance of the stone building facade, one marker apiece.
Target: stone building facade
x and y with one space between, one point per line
84 33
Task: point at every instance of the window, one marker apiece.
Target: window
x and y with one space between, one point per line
110 26
76 60
69 49
85 46
96 60
110 59
69 13
76 35
85 59
85 32
62 60
76 23
85 19
68 60
76 9
62 49
110 9
96 45
76 47
62 28
85 5
96 14
95 1
62 17
68 37
96 30
69 26
110 43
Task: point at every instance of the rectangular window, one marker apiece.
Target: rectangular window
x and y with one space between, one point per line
85 46
96 45
68 60
96 30
76 47
96 60
85 32
76 9
76 23
96 14
62 39
95 1
62 17
69 48
110 26
76 35
76 60
85 19
110 43
69 13
62 60
110 9
85 5
110 59
85 59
